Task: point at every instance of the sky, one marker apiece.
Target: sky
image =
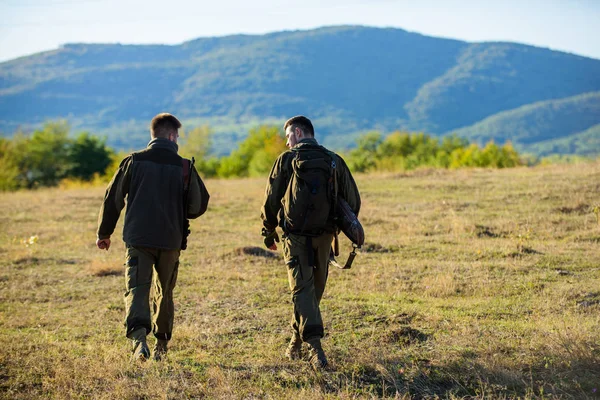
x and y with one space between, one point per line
31 26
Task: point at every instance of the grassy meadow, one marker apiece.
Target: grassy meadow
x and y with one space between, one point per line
472 283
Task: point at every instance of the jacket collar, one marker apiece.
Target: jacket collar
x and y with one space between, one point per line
307 142
162 143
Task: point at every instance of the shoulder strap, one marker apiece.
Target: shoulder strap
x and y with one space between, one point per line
186 173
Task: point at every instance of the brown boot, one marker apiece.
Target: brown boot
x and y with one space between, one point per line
294 349
160 349
316 355
141 352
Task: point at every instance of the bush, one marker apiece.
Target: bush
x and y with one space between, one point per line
255 155
88 155
406 151
48 156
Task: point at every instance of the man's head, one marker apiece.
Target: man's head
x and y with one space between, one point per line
296 129
166 126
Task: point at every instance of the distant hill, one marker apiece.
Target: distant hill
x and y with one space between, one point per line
538 122
348 79
586 143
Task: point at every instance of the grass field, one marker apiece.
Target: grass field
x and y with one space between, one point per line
472 283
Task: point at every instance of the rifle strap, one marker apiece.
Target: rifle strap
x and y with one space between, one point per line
351 257
186 173
336 240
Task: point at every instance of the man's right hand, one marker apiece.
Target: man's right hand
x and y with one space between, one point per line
270 239
103 244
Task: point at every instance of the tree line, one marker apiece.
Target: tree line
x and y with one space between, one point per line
406 151
50 155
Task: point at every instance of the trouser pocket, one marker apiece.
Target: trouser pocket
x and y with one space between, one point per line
132 271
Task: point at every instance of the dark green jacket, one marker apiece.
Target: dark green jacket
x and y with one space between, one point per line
152 182
272 213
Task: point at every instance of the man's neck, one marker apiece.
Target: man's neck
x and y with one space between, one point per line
163 143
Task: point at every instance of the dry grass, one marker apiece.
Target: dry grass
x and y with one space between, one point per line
472 283
102 268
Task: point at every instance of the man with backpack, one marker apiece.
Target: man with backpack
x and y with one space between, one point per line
163 191
300 198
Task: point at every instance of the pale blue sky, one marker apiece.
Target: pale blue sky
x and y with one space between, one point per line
30 26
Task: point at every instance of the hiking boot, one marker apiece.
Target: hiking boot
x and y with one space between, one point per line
316 355
294 349
160 349
141 351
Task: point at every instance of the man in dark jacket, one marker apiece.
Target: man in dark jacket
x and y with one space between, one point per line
162 190
306 249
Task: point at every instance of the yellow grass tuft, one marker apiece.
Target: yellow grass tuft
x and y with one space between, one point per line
102 268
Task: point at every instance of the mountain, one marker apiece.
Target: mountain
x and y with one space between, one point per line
348 79
538 122
586 143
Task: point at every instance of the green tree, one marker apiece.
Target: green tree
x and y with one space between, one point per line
12 154
47 160
198 144
364 157
255 155
509 156
88 155
424 151
465 156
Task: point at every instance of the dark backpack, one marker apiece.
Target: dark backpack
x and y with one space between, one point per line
308 200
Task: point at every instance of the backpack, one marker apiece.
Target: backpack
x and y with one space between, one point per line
308 202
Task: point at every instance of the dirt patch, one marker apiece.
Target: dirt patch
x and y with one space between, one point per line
579 209
589 300
377 248
402 318
405 335
483 231
107 271
523 251
27 261
562 272
255 252
590 239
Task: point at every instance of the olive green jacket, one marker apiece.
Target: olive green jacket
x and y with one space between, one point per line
152 182
272 213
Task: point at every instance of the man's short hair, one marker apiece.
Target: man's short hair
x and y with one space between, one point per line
301 122
164 124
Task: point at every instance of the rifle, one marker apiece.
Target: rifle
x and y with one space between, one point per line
347 222
188 167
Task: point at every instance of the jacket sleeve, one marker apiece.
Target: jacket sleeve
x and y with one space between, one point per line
197 197
114 199
276 187
347 187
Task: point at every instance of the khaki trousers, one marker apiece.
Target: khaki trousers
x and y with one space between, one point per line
307 265
148 268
